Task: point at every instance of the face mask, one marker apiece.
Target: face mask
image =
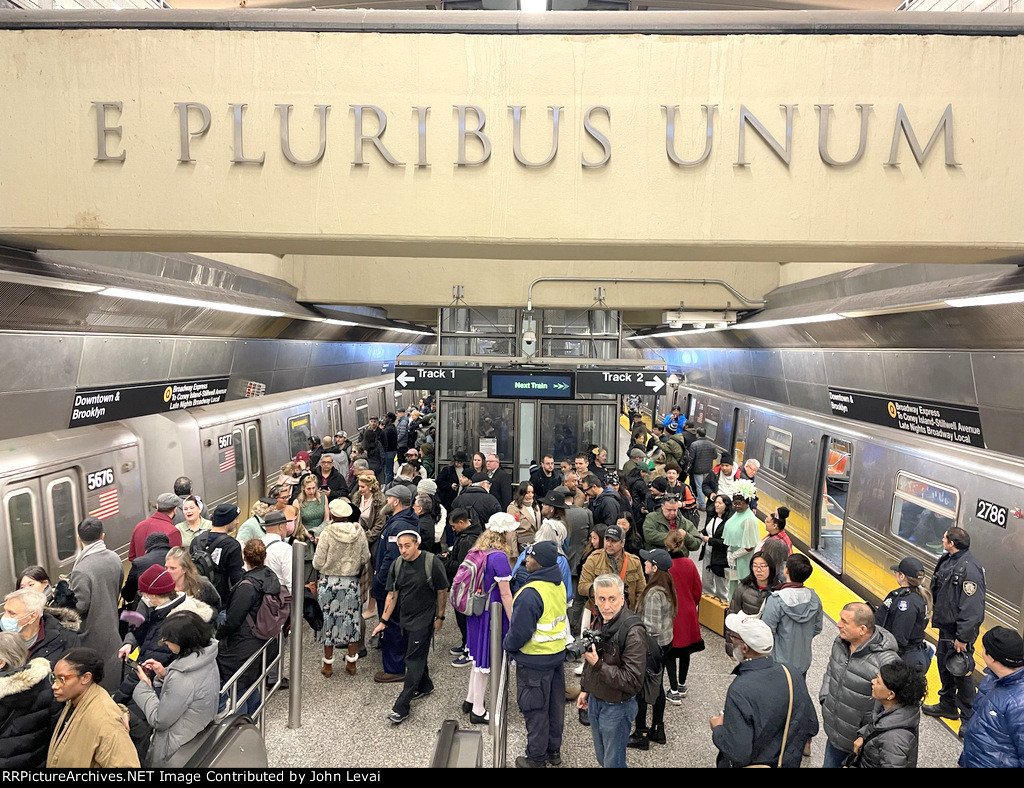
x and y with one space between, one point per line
146 600
10 624
289 528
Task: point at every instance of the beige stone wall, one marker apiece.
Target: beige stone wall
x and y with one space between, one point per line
639 207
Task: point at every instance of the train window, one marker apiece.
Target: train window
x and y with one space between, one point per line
776 451
298 434
238 453
254 449
922 511
21 523
711 416
65 519
362 412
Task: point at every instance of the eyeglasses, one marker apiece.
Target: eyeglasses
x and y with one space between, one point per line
57 678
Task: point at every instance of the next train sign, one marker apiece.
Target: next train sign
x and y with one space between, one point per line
953 423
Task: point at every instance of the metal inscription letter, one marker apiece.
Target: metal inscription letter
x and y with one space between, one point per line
375 138
478 132
239 153
945 127
285 111
421 135
670 134
102 130
517 128
747 118
824 117
602 140
185 154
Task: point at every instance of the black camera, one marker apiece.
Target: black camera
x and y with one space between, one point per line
587 638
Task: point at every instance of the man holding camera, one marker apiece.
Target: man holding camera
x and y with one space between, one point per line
614 671
536 641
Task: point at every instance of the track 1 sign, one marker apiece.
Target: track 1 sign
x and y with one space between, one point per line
619 381
439 379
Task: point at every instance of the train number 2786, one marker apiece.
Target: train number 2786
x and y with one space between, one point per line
991 513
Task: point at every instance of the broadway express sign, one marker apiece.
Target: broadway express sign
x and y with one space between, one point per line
471 144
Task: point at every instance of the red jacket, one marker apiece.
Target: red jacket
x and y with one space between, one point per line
686 578
158 522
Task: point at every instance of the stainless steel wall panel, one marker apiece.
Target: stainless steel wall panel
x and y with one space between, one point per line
743 384
808 395
107 360
294 355
196 358
1003 429
321 376
945 377
855 369
34 362
30 412
803 366
253 356
326 354
773 389
766 363
999 379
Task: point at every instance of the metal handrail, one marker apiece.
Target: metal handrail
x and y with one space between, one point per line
499 689
230 688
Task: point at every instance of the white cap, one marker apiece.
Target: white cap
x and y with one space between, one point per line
753 631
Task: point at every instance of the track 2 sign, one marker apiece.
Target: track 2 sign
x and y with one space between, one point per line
619 381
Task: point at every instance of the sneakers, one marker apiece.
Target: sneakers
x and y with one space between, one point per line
458 651
522 762
657 734
397 719
462 661
675 697
579 670
555 758
417 695
682 690
938 710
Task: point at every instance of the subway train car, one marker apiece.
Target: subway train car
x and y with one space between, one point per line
231 451
863 497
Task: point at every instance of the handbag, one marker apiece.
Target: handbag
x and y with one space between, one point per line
785 731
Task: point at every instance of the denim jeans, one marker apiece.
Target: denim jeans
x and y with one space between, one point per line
698 482
609 726
389 466
834 757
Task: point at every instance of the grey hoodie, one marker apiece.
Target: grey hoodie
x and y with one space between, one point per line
187 702
794 617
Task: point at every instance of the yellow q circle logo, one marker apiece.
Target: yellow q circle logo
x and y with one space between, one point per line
168 391
892 409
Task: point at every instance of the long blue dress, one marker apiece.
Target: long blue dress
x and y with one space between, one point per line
478 628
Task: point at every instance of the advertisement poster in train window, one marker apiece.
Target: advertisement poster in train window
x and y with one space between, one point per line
111 403
942 421
298 433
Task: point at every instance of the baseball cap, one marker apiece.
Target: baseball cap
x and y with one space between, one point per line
909 566
400 493
480 477
753 631
660 558
614 533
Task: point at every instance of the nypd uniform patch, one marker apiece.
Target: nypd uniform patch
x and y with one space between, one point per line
970 587
903 605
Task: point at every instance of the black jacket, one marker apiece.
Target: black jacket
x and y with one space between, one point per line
620 672
236 641
719 549
958 594
157 545
755 717
334 484
501 488
481 504
702 456
463 544
390 438
231 566
606 508
27 715
905 615
446 477
147 637
427 523
54 641
542 484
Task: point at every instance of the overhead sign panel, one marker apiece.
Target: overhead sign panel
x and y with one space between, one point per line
517 384
439 379
953 423
619 381
110 403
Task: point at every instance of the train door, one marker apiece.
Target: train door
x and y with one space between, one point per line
830 506
24 534
741 417
246 453
42 515
334 416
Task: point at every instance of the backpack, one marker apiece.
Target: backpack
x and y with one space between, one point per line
468 596
272 614
202 557
672 448
653 669
428 567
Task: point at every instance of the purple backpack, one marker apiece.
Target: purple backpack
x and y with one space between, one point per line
468 596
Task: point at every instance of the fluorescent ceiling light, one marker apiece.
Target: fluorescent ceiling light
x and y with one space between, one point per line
532 6
160 298
987 300
791 321
20 278
680 332
333 322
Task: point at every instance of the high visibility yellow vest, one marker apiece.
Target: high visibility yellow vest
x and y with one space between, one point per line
549 636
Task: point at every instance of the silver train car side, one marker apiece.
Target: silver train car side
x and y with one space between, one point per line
232 451
863 497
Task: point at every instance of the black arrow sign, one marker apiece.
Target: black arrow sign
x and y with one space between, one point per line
619 381
438 379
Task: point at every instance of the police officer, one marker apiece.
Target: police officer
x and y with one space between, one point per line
536 641
958 591
905 612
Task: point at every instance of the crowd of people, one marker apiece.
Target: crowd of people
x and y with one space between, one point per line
597 574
